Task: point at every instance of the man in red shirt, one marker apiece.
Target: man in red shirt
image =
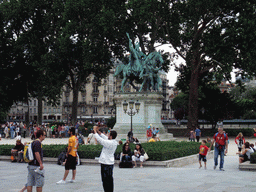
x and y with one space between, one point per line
221 147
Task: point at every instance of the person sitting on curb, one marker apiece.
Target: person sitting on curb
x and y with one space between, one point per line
153 139
245 154
138 155
17 152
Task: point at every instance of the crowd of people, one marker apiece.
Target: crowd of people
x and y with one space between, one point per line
152 134
129 158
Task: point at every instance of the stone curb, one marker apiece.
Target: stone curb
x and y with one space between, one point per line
247 166
179 162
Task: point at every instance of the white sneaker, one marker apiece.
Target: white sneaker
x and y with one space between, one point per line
61 182
72 181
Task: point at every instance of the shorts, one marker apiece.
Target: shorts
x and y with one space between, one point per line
70 163
202 157
34 179
245 157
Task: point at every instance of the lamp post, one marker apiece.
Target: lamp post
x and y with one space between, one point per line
131 112
203 110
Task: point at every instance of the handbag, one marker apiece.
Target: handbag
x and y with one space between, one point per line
145 156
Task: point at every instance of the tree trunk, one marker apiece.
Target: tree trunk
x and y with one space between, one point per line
74 104
193 100
40 108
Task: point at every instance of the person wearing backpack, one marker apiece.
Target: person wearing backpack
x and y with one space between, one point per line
221 147
36 167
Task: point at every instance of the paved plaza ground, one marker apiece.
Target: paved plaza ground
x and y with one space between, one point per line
188 178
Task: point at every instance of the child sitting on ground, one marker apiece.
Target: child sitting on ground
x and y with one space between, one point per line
203 149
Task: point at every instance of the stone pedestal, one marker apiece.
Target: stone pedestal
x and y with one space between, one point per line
149 113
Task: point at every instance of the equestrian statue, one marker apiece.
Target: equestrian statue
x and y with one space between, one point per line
141 68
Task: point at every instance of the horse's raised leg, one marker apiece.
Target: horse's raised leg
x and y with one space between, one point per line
143 83
123 83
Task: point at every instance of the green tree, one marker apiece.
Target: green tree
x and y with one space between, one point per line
87 41
180 106
31 27
202 33
245 100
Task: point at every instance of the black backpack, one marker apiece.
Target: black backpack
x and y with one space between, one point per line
61 158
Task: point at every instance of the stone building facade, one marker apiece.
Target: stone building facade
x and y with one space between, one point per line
95 103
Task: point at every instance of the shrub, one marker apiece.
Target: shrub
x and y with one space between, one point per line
253 158
157 151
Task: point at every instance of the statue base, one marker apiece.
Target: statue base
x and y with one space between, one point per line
149 114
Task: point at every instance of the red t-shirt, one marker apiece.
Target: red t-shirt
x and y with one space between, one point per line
203 150
149 133
220 139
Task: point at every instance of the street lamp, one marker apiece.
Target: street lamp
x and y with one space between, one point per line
203 110
131 112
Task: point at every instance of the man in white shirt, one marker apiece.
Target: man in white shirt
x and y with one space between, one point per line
106 159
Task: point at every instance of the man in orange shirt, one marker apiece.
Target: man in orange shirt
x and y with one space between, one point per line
71 157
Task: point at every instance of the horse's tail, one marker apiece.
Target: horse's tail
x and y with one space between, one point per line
119 69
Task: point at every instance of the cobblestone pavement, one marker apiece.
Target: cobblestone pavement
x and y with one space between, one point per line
13 177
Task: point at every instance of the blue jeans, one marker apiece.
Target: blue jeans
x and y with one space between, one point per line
107 177
218 152
12 134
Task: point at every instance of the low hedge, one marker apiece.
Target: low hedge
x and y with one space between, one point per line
158 151
253 158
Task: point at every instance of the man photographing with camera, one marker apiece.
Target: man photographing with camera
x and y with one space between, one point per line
106 159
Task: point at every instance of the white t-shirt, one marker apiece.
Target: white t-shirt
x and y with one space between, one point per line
108 150
18 137
91 139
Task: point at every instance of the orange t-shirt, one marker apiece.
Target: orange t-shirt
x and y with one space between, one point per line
73 144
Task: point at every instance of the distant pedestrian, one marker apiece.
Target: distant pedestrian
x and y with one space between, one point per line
149 133
24 130
157 134
192 135
71 157
198 134
12 131
203 149
239 140
107 157
221 147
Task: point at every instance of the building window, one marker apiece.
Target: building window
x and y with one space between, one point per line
95 99
34 102
83 98
34 110
95 88
30 110
45 110
95 110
